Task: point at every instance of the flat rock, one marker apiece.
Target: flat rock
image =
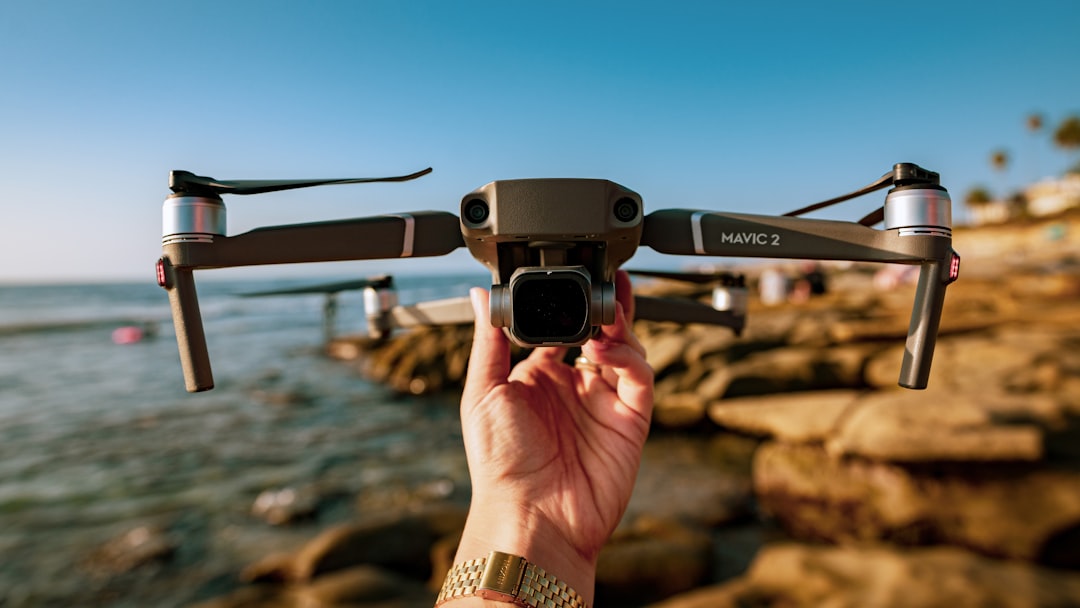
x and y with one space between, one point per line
401 543
1023 511
910 426
794 417
790 575
652 559
358 585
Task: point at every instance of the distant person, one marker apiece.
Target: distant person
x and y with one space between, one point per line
811 282
773 287
553 452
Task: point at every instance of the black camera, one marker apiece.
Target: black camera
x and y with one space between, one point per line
553 246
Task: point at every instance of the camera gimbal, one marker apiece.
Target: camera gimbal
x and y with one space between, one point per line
553 246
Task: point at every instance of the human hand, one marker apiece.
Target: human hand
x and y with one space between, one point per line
553 449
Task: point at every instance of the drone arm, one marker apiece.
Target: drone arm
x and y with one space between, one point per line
422 234
934 277
450 311
184 301
688 232
739 235
686 311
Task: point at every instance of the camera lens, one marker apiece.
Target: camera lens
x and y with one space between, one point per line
626 209
551 309
476 211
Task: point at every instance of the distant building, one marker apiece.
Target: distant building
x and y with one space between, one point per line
1041 199
1052 196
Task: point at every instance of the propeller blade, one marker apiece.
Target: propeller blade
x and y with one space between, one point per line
882 182
328 288
874 217
704 278
189 183
685 311
901 174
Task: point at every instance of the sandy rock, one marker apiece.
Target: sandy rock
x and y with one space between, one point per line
678 410
442 559
651 560
398 542
133 549
285 505
907 426
1023 511
791 575
358 585
663 351
255 596
272 568
703 482
793 417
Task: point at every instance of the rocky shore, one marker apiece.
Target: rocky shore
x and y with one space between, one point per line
786 468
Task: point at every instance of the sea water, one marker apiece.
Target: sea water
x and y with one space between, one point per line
99 437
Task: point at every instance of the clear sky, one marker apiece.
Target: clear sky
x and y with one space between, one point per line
755 107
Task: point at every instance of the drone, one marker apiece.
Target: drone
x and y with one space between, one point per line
553 246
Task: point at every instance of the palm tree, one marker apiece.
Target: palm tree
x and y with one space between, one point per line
1067 136
977 197
999 160
1034 125
976 200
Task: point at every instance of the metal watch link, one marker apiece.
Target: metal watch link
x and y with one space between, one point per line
509 578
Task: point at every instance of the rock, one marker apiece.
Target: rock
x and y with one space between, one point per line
133 549
663 351
357 585
442 559
651 560
792 417
701 483
678 410
256 596
399 542
285 505
1022 511
790 575
906 426
273 568
789 369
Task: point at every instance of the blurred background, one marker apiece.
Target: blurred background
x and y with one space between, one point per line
802 474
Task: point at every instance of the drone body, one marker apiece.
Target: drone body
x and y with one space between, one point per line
553 246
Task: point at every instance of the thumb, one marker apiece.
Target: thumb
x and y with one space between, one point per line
489 360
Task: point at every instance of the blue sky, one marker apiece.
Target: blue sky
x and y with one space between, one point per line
756 107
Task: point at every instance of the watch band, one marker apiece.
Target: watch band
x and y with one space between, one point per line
509 578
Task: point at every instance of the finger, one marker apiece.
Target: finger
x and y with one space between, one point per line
489 359
634 377
624 293
545 354
620 331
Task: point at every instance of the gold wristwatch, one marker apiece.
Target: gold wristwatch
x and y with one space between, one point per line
508 578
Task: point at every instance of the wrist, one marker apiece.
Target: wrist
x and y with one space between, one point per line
519 531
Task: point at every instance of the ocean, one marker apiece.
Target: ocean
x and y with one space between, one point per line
98 438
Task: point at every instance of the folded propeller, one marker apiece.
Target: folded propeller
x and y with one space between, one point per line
186 182
902 174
